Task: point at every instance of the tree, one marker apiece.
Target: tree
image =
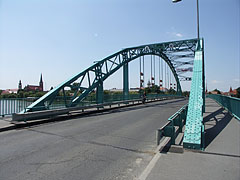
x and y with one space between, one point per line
171 91
106 92
39 94
218 92
20 94
147 90
238 92
154 89
149 83
186 93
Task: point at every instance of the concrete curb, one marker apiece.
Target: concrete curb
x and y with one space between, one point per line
155 159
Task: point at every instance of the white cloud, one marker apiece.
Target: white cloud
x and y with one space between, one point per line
178 35
216 82
174 33
236 80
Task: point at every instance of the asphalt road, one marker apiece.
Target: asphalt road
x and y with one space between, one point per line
117 144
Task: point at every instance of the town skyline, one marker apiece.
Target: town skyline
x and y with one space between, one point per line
35 87
68 38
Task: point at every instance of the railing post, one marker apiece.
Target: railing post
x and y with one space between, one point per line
169 131
180 121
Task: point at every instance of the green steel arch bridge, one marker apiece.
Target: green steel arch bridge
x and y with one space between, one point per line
180 57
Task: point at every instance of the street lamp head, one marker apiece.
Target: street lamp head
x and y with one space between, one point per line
175 1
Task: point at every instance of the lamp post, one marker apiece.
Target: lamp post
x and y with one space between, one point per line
198 35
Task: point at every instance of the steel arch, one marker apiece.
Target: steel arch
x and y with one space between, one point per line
101 70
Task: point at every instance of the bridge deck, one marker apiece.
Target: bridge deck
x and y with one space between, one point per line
221 158
115 144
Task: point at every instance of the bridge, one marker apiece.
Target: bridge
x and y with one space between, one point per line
175 55
113 132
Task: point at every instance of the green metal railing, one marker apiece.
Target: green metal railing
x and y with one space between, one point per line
9 106
61 109
59 102
232 104
16 105
168 130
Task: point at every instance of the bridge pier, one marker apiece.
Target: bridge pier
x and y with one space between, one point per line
125 82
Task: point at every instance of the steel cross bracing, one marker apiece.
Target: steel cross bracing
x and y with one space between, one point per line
92 78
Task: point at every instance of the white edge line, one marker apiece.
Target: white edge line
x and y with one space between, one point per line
154 160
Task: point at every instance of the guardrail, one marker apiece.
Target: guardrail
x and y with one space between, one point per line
54 112
169 130
8 106
231 104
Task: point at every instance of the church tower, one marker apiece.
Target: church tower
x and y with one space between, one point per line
20 85
41 84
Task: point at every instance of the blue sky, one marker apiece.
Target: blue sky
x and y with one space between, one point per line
60 38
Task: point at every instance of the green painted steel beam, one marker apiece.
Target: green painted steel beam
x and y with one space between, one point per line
194 129
125 82
99 93
203 77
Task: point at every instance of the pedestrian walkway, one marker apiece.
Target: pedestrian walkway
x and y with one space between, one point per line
219 161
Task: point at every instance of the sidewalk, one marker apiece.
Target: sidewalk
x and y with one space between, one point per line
219 161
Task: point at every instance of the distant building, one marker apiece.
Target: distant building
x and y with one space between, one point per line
136 89
27 88
20 85
10 91
163 89
34 87
232 92
115 90
225 93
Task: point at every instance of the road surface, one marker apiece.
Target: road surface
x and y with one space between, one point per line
117 144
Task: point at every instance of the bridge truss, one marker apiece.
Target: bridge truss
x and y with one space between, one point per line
173 53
